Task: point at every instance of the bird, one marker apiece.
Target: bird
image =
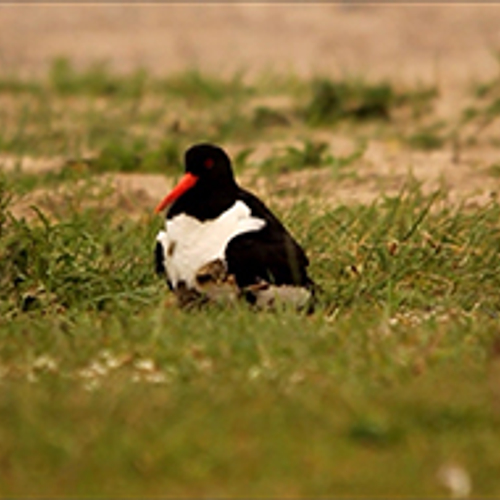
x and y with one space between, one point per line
222 241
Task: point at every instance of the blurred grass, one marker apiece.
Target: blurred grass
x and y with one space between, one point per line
310 155
109 390
357 100
77 111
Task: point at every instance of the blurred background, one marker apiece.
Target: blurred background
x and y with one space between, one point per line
448 42
198 72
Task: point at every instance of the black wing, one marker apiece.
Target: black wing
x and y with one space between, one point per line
270 254
160 263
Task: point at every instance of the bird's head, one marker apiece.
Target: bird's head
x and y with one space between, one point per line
206 166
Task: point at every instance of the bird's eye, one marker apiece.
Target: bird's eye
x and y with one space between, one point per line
209 163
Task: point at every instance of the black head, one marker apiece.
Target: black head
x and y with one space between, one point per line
208 163
207 187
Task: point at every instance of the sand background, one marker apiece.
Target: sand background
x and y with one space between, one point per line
450 42
450 46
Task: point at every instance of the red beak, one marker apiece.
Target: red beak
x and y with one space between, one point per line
187 182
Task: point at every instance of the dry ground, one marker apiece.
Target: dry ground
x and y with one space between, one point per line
450 46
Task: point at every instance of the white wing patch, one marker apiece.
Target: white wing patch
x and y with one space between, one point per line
189 244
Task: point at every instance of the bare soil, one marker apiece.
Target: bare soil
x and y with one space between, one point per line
451 46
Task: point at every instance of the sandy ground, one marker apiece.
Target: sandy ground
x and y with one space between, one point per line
447 45
451 43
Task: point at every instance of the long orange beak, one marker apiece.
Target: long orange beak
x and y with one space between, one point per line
187 182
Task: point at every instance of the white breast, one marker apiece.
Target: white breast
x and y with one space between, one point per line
189 244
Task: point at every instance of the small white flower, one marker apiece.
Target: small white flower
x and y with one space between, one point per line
456 479
91 385
94 370
111 361
105 354
145 365
86 373
98 368
297 378
254 373
156 378
45 363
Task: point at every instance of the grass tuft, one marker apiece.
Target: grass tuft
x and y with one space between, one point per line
358 101
196 87
97 80
68 264
333 101
312 154
428 138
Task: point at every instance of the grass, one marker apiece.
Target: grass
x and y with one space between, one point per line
76 111
333 101
310 155
97 80
360 101
108 389
428 138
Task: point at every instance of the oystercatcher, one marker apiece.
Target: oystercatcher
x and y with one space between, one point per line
219 236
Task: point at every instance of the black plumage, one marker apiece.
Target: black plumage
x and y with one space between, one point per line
270 254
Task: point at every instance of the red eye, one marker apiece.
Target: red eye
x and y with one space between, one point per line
209 163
